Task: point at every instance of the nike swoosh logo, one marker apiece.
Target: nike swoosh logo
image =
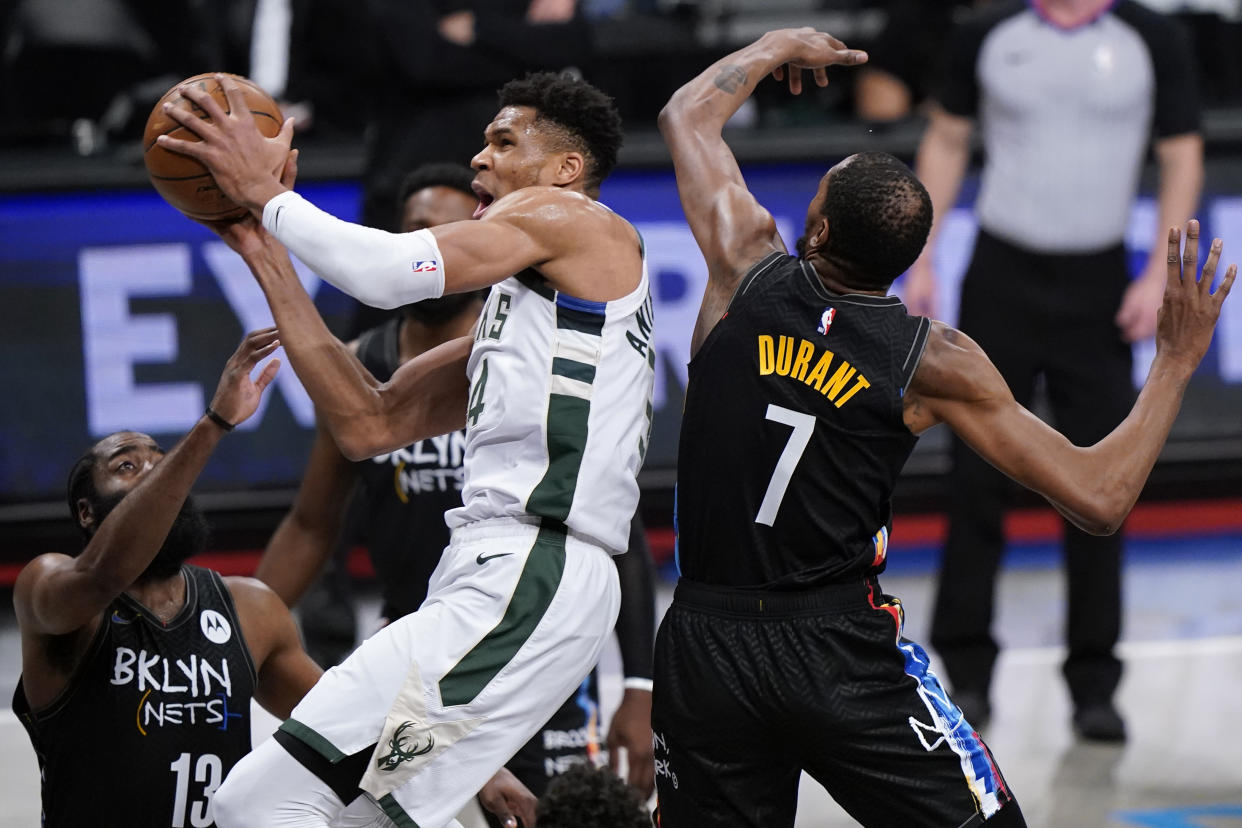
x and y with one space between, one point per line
482 559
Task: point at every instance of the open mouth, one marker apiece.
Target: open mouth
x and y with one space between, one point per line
485 198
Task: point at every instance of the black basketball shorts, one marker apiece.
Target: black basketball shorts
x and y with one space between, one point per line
752 688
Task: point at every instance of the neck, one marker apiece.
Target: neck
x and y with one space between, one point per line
162 596
419 337
1068 13
834 279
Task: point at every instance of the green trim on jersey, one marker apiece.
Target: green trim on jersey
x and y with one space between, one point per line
568 319
573 369
312 739
553 496
535 589
392 808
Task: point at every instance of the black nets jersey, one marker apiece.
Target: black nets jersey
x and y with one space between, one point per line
153 718
405 493
792 436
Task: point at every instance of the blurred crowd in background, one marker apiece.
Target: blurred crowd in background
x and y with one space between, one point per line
83 74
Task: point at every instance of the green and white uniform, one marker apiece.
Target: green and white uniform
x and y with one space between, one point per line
524 597
560 409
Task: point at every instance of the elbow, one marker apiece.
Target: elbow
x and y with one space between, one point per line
1104 515
357 444
673 114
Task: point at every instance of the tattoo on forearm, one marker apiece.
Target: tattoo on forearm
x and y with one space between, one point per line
730 79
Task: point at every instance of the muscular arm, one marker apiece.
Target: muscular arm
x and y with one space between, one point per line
732 229
425 397
305 538
285 671
56 594
1095 486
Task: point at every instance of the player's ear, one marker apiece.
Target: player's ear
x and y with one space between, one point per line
86 513
817 238
570 168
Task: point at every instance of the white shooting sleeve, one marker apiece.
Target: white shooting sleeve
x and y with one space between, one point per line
378 268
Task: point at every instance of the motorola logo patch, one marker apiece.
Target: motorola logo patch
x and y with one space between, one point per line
215 627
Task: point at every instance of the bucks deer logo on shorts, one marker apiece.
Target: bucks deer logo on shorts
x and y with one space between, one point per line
399 751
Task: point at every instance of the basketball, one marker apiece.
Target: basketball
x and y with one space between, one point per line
182 181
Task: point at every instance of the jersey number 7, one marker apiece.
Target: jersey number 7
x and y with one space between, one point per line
803 426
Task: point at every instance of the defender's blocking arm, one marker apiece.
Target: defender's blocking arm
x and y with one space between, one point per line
732 229
1094 487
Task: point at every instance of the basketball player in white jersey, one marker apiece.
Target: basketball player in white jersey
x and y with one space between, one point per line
554 388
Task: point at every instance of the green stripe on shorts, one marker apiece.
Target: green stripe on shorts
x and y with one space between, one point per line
312 740
395 812
535 589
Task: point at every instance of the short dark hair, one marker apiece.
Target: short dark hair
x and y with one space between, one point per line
588 116
879 215
442 174
82 485
589 797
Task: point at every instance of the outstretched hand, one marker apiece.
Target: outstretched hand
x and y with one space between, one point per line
815 51
237 396
246 166
1188 315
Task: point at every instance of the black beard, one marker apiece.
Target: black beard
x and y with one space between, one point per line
433 312
800 246
187 537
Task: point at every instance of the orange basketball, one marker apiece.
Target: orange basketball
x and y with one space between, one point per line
182 181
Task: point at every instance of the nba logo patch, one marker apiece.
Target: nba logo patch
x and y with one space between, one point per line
825 320
430 266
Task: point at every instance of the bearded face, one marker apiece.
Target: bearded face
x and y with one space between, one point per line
187 537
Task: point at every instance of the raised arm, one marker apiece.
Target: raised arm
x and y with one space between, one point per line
1096 486
732 229
57 594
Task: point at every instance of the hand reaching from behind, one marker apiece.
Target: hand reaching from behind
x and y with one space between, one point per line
1188 315
509 800
631 730
237 395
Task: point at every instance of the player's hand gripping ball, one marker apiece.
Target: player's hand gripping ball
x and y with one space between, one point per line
182 181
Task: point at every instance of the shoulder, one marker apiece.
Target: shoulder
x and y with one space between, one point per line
953 369
32 574
550 206
252 597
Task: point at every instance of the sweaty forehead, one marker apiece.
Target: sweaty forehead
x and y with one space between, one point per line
512 118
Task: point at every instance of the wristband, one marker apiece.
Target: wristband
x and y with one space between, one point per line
217 419
636 683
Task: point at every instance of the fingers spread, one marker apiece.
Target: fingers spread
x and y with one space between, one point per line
1175 252
1190 253
205 102
233 94
1209 267
269 373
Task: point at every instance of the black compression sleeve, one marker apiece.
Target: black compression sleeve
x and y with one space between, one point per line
636 621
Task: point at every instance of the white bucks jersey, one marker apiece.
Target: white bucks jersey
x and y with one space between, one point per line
559 414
